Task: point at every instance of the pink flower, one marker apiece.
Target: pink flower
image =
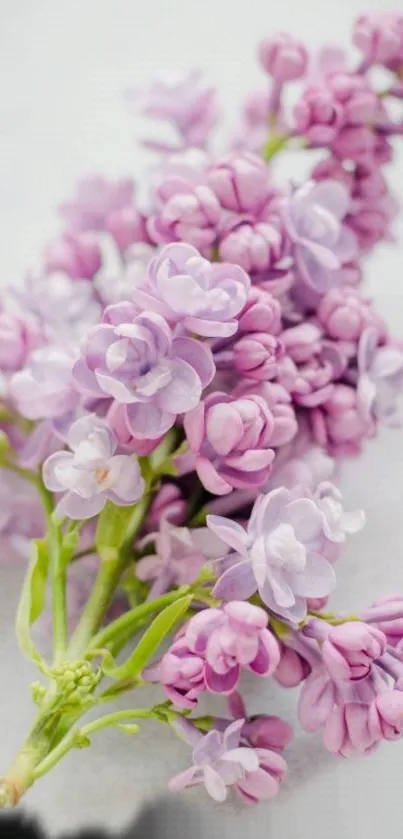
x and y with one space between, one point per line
347 731
261 313
219 762
240 182
279 403
318 115
344 314
230 438
379 37
168 503
339 424
292 668
20 333
77 254
258 247
283 57
386 715
187 211
350 649
256 356
380 383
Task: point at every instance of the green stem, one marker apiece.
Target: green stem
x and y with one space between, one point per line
59 574
130 620
73 737
112 565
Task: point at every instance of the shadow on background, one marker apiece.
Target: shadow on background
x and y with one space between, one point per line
166 819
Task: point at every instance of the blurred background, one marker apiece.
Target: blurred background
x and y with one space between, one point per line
63 69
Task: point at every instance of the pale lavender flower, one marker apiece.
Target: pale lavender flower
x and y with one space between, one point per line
91 473
283 57
95 202
380 382
20 333
337 523
187 102
118 283
64 307
278 554
21 514
240 182
45 389
314 220
142 366
186 210
221 761
185 288
78 254
179 556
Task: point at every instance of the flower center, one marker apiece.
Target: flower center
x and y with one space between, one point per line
285 550
101 474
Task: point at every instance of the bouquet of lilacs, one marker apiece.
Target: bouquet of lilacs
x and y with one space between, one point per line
171 426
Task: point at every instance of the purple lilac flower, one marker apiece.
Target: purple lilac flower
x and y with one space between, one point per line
313 217
187 210
337 523
20 333
185 288
139 363
350 649
259 247
230 438
379 37
44 389
240 182
219 762
187 102
168 503
278 555
338 424
91 473
64 307
283 57
344 314
77 254
179 555
117 284
96 202
380 382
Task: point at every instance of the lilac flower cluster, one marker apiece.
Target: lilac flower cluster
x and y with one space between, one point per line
181 379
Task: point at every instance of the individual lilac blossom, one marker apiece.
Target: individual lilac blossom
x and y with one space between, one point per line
314 219
380 381
212 650
259 247
318 115
356 143
205 298
256 356
44 388
64 307
169 503
117 284
379 37
20 333
240 182
359 102
261 313
141 365
292 668
338 424
187 210
278 554
116 418
336 522
373 207
283 57
279 403
180 555
262 731
220 762
77 254
230 438
350 649
91 473
386 715
344 314
102 205
347 731
187 102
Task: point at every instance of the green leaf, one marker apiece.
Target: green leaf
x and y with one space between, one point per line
151 640
32 598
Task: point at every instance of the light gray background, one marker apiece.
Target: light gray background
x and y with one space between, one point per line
63 66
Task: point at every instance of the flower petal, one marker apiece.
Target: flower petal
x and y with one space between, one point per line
237 583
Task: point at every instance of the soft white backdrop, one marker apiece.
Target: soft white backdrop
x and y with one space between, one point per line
63 66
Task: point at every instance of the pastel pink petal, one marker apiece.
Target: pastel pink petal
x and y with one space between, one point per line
238 582
335 663
346 247
210 328
210 478
247 758
229 532
324 256
387 362
232 734
197 355
316 702
148 568
305 518
317 580
185 779
51 467
282 591
221 682
75 507
333 195
366 349
148 421
334 733
214 784
183 392
272 761
85 378
259 786
194 426
269 509
356 716
224 427
252 460
366 395
268 657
